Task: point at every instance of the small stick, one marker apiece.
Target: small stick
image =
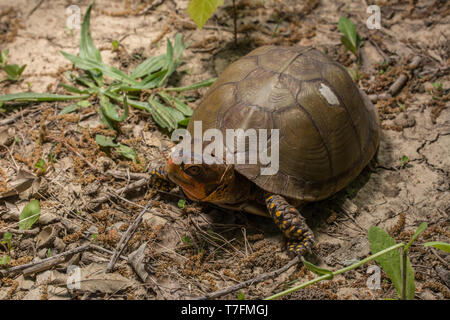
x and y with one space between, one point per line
247 283
127 236
55 257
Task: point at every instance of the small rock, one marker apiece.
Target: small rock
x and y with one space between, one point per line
152 219
24 284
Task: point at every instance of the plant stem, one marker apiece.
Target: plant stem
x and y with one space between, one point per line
327 276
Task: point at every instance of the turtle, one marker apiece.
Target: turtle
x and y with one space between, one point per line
328 132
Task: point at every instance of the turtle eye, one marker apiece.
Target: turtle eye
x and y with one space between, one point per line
192 170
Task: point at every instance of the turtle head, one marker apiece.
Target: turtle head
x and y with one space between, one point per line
215 183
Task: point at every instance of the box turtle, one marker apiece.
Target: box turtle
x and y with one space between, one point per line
328 132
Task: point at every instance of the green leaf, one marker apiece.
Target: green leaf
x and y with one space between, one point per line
391 261
69 109
176 103
109 110
404 160
317 270
87 47
348 44
148 66
5 259
40 164
33 96
7 236
127 152
92 65
30 214
184 122
3 57
115 44
419 230
241 296
439 245
347 27
105 141
201 84
201 10
186 239
164 116
181 203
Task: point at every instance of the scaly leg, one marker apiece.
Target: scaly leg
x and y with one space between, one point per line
291 223
159 179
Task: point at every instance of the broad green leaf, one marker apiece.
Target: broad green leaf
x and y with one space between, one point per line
348 29
30 214
317 270
419 230
110 111
33 96
3 57
241 296
391 261
87 47
127 152
439 245
105 141
201 10
181 203
7 237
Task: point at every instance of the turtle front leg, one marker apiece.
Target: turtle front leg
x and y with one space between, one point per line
291 223
159 179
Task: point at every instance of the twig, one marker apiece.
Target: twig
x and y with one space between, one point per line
55 257
247 283
127 236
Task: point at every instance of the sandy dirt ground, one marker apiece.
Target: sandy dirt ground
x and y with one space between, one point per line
181 253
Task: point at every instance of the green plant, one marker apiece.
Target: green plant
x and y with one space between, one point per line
201 10
3 57
7 241
29 215
438 85
385 252
112 85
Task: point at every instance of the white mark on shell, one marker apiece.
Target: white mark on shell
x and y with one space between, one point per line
328 95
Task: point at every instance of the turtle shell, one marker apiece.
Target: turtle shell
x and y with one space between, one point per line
328 128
